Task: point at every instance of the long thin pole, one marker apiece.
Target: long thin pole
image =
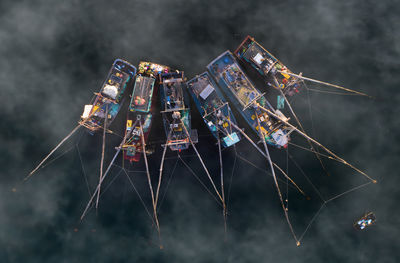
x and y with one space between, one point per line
162 164
222 183
325 83
55 148
102 154
149 179
58 146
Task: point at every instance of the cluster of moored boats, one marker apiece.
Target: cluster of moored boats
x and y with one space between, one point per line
225 77
224 84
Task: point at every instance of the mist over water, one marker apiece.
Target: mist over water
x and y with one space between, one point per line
55 55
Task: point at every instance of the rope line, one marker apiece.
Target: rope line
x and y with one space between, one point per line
59 156
140 197
348 191
200 181
311 221
308 179
83 169
168 183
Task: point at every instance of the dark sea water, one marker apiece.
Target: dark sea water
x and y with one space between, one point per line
54 55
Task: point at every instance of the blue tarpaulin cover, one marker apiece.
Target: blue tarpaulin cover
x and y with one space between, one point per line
281 103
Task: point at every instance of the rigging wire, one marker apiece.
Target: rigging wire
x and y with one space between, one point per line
348 191
308 179
58 156
311 221
200 181
168 183
231 178
83 169
140 197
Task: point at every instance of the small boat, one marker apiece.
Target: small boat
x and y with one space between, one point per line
251 52
141 109
108 101
366 220
214 109
176 111
248 100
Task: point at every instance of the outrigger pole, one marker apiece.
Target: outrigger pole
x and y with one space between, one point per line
102 155
325 83
149 179
222 182
317 143
260 133
58 145
55 148
299 123
108 169
162 164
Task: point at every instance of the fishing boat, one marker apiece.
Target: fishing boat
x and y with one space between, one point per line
141 109
105 107
214 109
177 125
176 111
108 101
247 100
276 74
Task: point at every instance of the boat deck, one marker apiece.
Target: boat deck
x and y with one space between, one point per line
108 101
209 100
267 65
142 94
175 105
